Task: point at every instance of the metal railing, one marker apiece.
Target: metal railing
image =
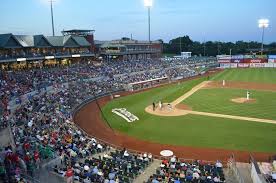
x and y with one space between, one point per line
259 176
233 167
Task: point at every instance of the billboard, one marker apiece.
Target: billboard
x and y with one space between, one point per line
224 61
271 60
257 64
234 65
234 57
236 60
243 65
223 57
269 65
223 65
255 60
272 57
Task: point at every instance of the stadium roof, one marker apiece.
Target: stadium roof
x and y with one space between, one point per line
9 41
40 41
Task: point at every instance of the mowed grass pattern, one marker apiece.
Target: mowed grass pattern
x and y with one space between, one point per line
189 130
219 101
255 75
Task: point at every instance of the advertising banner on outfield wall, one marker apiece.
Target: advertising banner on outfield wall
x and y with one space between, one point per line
271 60
236 60
269 65
224 66
224 57
257 65
237 57
255 60
234 65
243 65
224 61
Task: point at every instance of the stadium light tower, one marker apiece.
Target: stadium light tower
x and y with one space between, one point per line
263 23
52 17
148 4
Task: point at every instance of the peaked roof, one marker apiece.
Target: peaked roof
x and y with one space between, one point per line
40 41
68 41
81 41
9 41
25 41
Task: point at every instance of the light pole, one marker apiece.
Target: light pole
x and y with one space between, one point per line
263 23
52 17
148 4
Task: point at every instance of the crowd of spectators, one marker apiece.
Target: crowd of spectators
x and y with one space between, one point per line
42 126
176 171
115 166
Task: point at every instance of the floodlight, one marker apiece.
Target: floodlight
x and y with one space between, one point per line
148 3
263 23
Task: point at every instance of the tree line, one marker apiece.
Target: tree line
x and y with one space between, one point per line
213 48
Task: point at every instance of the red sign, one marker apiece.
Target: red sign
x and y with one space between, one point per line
255 60
237 61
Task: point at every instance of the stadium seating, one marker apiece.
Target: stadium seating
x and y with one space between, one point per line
174 170
41 121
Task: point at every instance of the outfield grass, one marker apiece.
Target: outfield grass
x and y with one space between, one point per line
218 100
189 130
255 75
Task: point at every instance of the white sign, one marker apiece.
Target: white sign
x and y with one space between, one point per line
122 112
75 56
234 65
49 57
21 59
224 57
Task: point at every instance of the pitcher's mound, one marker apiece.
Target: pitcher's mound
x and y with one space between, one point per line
243 100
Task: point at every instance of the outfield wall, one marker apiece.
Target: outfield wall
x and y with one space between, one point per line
245 61
247 65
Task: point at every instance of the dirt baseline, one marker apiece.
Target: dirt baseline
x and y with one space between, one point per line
90 120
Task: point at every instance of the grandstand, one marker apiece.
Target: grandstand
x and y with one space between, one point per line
38 113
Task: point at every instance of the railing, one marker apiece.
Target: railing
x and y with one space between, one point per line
233 166
256 174
43 56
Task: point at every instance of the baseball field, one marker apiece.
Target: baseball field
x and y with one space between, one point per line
205 113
